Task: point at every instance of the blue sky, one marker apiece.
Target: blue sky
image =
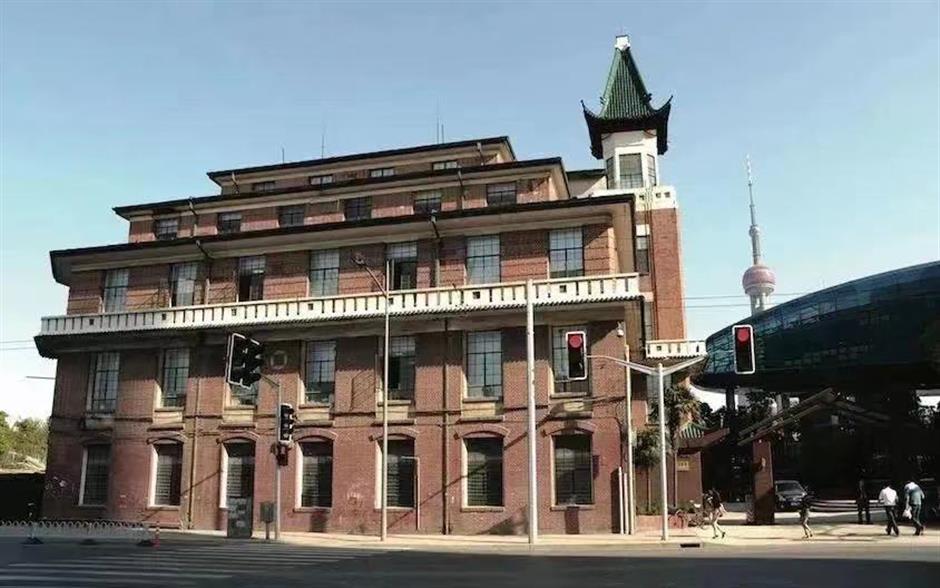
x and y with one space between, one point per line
117 103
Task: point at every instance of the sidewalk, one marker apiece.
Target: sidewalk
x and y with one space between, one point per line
738 535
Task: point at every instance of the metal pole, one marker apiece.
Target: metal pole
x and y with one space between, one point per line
530 386
277 465
384 533
663 490
631 493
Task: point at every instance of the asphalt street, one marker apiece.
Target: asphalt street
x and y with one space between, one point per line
219 562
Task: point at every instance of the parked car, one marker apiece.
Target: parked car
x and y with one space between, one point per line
788 494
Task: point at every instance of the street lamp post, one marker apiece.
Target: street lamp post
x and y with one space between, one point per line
360 261
660 374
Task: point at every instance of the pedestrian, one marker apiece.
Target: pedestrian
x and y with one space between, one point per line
889 500
716 510
914 500
805 504
862 503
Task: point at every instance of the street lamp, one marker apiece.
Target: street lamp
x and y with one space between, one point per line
360 261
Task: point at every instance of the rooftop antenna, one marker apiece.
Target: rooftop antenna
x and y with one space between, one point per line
283 160
234 181
323 140
437 123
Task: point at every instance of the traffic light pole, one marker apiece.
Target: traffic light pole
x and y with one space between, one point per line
277 463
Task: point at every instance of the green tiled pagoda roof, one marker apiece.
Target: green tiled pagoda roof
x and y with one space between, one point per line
625 105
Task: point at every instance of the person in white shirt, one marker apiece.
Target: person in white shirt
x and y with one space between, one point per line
889 500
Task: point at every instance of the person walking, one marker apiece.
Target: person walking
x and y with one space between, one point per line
805 504
716 510
889 500
862 502
914 500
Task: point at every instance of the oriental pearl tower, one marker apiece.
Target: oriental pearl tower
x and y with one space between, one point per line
759 280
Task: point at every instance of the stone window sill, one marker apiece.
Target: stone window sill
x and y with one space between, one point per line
483 509
564 507
476 399
325 509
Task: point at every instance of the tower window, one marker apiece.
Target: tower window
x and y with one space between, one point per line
631 172
651 170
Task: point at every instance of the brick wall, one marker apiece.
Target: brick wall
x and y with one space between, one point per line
666 257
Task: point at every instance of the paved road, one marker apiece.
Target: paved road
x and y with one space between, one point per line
217 562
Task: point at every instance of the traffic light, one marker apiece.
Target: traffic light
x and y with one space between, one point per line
743 336
245 357
577 355
285 423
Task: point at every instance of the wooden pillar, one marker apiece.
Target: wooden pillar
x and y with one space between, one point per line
762 467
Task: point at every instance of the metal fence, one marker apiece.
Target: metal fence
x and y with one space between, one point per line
84 531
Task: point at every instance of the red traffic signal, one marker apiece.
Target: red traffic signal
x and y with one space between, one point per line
577 355
743 336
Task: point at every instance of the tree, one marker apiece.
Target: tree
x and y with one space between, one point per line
26 438
646 456
681 407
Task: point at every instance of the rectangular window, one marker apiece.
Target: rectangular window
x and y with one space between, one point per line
427 203
449 164
401 472
648 318
165 229
574 477
382 172
358 208
316 485
324 272
291 216
501 194
485 364
244 396
175 377
115 290
95 475
104 385
483 259
404 266
651 170
566 253
240 473
631 172
251 278
485 471
183 283
169 474
642 254
263 186
401 368
560 362
228 223
611 178
321 180
320 372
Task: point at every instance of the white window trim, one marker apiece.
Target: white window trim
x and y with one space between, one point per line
590 436
152 493
223 477
81 484
298 474
464 473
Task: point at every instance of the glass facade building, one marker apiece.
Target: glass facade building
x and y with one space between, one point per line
885 325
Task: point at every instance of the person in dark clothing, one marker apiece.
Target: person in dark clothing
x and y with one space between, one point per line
715 510
862 503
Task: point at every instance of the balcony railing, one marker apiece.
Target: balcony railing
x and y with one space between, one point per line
674 349
550 292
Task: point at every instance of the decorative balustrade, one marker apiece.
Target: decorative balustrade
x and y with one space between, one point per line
550 292
674 349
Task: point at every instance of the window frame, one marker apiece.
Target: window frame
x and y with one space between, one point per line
165 376
642 254
555 473
361 205
264 186
290 212
176 269
328 273
312 347
498 194
95 401
403 258
166 235
406 349
468 503
485 258
302 474
395 471
445 164
423 202
228 223
652 176
82 489
483 356
635 179
176 491
114 295
382 172
321 180
226 459
567 251
561 386
248 269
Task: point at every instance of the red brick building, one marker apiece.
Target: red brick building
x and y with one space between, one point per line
145 427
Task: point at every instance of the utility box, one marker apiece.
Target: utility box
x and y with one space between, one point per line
239 518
